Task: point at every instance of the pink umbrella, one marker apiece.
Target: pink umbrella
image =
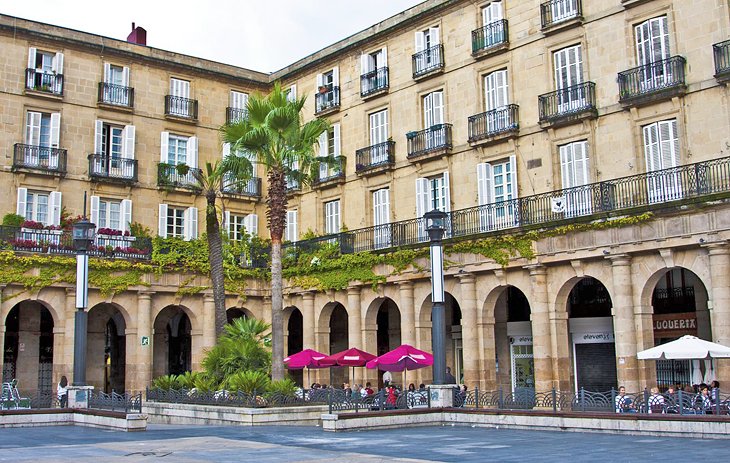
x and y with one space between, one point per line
402 358
352 357
308 358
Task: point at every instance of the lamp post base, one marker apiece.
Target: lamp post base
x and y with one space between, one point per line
78 396
442 395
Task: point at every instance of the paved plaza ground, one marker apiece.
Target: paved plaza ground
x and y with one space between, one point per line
273 444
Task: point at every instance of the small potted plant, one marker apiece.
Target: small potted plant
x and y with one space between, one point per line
182 169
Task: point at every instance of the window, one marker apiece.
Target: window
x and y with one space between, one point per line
652 46
40 206
381 217
427 57
44 71
237 106
373 71
378 137
36 207
179 104
328 90
332 217
237 225
492 13
661 149
179 149
496 97
111 213
568 64
178 222
290 233
563 9
329 145
116 85
42 132
433 118
177 152
574 173
431 193
291 93
496 189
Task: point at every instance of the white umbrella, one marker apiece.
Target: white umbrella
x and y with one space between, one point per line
685 348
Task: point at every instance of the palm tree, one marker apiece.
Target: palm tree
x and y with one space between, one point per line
232 170
273 131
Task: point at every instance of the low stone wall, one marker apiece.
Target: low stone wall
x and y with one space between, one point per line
655 425
64 417
170 413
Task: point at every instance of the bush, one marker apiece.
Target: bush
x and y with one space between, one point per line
284 387
13 220
167 382
248 382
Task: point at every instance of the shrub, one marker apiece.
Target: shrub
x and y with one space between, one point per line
166 382
248 381
13 220
284 387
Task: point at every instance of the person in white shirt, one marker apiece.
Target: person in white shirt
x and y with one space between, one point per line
387 378
62 392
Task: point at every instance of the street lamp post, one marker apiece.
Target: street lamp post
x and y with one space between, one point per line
435 226
83 237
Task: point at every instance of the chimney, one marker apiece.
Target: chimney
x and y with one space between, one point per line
138 35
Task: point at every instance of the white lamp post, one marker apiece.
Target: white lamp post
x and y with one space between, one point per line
83 237
435 226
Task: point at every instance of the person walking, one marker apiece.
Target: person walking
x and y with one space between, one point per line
62 392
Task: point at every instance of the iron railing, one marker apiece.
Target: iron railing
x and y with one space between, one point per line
127 403
177 176
253 399
117 95
250 187
495 122
489 36
721 51
557 11
428 61
61 242
40 158
327 98
641 192
651 78
178 106
435 138
235 114
567 102
374 156
326 172
103 166
44 82
374 82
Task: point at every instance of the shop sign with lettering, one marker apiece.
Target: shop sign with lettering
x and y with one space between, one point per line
677 324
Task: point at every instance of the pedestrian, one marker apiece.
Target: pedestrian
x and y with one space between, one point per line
387 378
449 378
62 392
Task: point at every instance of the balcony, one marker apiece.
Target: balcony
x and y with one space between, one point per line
40 159
432 142
293 186
497 124
374 83
234 115
105 167
668 189
722 61
375 158
43 83
489 39
327 100
248 188
181 176
661 80
428 62
181 108
117 96
568 105
330 175
559 14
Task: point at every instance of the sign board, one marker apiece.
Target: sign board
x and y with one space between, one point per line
145 340
675 325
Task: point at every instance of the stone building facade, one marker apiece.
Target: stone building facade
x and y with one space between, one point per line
511 116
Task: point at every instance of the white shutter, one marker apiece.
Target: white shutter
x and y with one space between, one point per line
323 167
384 57
291 225
193 152
22 201
55 129
107 73
57 63
513 177
568 67
423 197
428 110
128 135
438 107
659 38
381 207
433 33
126 214
125 76
501 94
491 13
54 208
251 224
190 227
292 96
320 81
164 146
420 41
98 136
227 223
33 128
226 150
580 162
566 166
336 130
668 143
447 193
484 183
162 221
94 215
651 148
31 58
336 76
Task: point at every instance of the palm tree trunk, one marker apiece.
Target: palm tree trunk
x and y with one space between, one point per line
277 218
215 249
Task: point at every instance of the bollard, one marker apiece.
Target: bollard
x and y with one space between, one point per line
329 400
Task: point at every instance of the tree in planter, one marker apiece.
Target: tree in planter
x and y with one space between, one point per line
274 133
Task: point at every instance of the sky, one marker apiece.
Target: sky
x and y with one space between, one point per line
259 35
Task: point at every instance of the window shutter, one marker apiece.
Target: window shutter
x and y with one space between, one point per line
126 214
190 227
98 136
513 176
320 80
31 59
323 144
94 215
128 135
580 161
447 193
423 193
33 129
659 38
125 76
55 129
193 152
420 41
500 82
22 201
292 96
162 221
484 183
336 130
54 207
251 223
651 148
643 44
336 76
364 64
107 73
567 166
428 118
164 146
227 223
291 225
438 107
433 32
384 57
57 63
669 143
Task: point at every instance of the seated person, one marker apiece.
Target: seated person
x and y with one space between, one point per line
656 401
624 404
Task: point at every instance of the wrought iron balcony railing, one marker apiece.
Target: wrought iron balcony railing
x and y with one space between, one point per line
117 95
721 52
39 158
374 82
427 61
643 192
61 242
328 98
374 156
177 176
178 106
651 79
434 138
235 114
327 173
250 187
557 11
44 82
492 123
567 102
489 36
103 166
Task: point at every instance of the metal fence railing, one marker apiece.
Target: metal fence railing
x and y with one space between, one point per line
181 107
493 122
103 166
47 82
435 138
651 78
374 82
557 11
39 158
177 176
428 61
489 36
327 98
235 114
118 95
721 52
126 402
374 156
568 102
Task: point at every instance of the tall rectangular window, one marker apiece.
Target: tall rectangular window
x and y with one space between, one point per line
236 227
36 207
176 222
574 174
661 150
332 217
177 150
381 217
291 226
109 214
497 190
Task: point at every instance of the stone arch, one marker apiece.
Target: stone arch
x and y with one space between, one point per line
106 347
294 338
172 343
238 312
454 354
513 339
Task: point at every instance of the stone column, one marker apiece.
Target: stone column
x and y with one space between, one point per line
66 353
354 317
209 335
308 325
719 255
487 347
142 374
469 333
542 321
624 329
407 313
